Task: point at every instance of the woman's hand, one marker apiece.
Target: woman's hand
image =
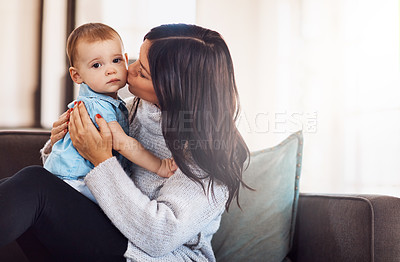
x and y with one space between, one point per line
60 127
93 145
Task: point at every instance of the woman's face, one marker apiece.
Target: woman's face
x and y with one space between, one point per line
139 78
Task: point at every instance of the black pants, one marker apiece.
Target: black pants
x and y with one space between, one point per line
43 211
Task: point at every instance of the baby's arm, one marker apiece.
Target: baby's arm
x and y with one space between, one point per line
135 152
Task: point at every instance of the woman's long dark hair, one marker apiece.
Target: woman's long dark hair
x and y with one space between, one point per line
193 78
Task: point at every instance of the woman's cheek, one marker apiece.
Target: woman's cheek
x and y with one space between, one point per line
131 79
131 74
130 88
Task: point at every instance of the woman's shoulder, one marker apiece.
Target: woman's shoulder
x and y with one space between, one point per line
129 102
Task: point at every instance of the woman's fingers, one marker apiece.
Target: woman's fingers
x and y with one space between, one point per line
104 129
76 130
58 132
60 127
54 138
84 115
90 143
103 126
63 118
83 121
75 118
81 128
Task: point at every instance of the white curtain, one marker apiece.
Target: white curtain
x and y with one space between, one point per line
328 67
54 70
18 66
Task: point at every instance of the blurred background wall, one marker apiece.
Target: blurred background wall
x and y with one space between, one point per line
329 68
19 66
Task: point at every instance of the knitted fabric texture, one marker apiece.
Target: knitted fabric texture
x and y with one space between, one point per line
163 219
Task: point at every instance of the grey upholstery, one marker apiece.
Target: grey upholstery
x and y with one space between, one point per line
328 227
347 228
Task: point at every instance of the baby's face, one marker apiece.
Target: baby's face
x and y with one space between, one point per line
102 65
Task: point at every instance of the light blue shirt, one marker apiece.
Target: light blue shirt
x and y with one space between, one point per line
64 160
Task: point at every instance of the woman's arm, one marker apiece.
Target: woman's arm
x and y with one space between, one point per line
132 149
156 226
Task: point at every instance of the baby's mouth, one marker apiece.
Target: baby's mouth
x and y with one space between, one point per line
113 80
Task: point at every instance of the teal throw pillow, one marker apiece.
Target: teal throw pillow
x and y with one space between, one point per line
263 230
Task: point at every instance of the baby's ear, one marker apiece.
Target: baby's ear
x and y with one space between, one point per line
126 59
75 76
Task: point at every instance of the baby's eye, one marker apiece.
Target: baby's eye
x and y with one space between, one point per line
117 60
96 65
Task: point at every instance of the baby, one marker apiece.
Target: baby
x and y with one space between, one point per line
99 65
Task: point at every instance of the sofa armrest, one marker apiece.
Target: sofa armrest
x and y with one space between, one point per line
20 148
347 228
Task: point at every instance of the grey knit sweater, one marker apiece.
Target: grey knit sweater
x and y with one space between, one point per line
163 219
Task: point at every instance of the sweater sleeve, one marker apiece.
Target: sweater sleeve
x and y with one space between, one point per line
158 226
45 151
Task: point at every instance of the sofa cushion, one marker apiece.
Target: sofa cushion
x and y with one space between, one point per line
20 148
263 230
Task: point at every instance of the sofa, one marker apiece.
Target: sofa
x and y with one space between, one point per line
353 227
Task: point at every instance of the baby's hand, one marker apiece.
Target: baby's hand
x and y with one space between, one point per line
167 167
118 136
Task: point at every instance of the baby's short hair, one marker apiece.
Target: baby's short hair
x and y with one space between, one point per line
90 32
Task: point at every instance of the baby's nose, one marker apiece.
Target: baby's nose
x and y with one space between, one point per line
111 70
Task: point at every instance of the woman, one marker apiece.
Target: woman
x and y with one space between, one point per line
185 108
